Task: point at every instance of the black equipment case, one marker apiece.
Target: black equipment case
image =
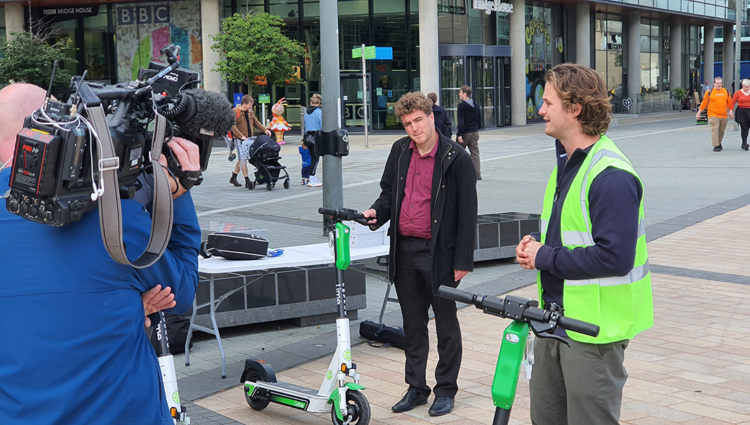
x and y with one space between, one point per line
234 246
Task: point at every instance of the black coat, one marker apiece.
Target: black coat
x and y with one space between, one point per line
454 207
441 119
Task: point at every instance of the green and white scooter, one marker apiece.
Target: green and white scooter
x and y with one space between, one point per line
514 349
343 399
168 375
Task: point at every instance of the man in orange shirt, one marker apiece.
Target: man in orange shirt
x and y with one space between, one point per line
717 101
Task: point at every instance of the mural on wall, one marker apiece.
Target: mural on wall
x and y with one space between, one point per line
143 29
539 56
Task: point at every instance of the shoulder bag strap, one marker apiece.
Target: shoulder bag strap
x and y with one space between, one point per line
110 208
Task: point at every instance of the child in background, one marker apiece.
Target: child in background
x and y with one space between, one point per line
306 160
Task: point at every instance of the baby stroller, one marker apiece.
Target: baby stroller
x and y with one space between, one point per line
264 156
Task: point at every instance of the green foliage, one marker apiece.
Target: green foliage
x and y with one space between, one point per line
679 94
255 47
29 59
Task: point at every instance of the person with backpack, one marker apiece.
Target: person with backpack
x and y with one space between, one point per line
469 120
442 121
717 102
245 121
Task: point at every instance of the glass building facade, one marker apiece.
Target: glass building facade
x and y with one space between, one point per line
113 40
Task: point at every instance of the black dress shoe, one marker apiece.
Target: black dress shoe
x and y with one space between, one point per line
411 400
441 406
717 148
745 146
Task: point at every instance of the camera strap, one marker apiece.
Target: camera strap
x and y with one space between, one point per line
110 208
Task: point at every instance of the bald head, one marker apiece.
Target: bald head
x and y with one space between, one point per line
17 101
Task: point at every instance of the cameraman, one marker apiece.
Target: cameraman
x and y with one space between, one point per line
72 319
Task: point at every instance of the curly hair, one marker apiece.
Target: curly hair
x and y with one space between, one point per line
580 85
412 102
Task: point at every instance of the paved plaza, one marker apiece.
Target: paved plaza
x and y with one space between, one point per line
691 368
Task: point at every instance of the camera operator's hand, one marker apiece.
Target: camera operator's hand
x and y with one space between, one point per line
189 157
157 299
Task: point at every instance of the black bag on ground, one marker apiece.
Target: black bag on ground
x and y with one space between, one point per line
177 330
234 246
382 333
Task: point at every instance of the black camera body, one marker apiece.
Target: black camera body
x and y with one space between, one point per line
55 172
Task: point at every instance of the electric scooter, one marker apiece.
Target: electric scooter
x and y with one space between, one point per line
166 365
343 399
514 349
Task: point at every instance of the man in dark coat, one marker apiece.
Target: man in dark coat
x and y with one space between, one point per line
442 121
429 194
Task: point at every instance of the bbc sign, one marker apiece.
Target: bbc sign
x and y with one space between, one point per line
147 14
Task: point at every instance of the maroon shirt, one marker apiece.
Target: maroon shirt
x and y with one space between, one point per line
414 218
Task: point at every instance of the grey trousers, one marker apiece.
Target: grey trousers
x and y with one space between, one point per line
580 385
471 140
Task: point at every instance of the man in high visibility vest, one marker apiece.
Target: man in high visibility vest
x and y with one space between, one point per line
590 255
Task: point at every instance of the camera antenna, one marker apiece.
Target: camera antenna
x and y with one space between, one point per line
52 79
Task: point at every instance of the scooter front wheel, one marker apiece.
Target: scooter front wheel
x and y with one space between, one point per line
357 406
254 402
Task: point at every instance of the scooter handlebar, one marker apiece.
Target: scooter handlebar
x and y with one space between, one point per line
498 306
578 326
344 214
456 294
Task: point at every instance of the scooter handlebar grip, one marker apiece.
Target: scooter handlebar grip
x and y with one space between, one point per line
326 211
578 326
455 294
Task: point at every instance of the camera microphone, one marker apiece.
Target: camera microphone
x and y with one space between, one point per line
202 113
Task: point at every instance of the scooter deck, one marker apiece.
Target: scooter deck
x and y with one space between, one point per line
292 395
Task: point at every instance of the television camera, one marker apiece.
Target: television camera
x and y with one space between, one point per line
91 149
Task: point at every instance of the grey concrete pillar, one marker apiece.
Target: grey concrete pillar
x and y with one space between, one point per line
518 63
13 17
583 29
634 60
210 26
708 53
429 54
728 71
675 53
333 180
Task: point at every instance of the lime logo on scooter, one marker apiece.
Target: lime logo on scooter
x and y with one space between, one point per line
512 338
348 355
329 375
176 397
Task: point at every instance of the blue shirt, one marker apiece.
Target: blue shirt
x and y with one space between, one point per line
306 160
74 349
313 119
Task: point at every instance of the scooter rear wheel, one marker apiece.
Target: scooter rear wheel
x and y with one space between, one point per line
254 402
357 406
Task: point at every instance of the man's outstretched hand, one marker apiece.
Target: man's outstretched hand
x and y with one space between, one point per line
157 299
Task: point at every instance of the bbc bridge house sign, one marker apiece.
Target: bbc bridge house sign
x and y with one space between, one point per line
492 6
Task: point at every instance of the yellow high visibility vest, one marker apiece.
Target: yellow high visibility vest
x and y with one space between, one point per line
622 306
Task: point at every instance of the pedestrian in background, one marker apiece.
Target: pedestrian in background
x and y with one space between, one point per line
704 89
313 123
305 153
590 255
442 121
742 116
242 130
716 101
469 120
